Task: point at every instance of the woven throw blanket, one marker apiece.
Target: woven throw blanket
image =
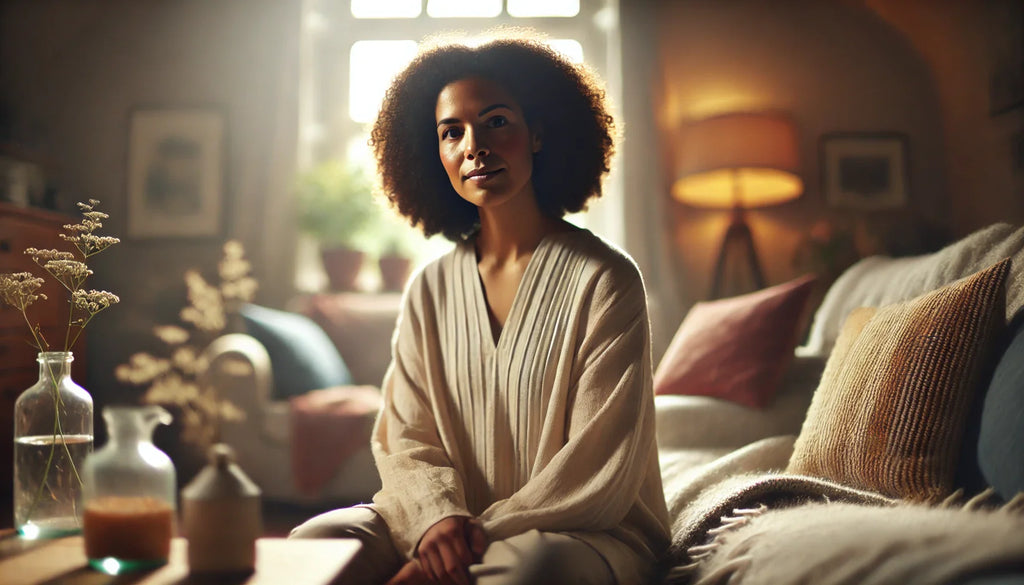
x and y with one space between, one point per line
751 491
839 543
711 525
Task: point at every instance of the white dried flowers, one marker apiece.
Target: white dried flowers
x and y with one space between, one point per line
177 378
20 289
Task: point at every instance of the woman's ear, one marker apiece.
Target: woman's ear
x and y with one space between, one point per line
536 139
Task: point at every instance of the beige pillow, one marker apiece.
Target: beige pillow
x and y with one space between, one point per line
890 410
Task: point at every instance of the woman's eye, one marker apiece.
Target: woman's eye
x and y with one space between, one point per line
448 133
497 121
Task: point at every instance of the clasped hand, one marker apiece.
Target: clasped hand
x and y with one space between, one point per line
445 553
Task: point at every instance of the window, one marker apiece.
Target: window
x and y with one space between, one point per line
372 64
353 48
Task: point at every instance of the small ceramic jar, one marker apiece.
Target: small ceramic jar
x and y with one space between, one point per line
222 516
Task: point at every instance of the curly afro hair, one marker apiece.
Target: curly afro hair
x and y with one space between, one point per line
563 100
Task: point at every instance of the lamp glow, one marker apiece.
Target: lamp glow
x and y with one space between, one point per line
738 161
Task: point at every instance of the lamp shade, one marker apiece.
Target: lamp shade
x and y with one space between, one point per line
746 159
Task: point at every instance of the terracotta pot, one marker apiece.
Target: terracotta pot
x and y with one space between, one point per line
394 271
342 266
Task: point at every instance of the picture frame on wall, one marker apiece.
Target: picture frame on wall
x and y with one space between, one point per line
865 171
175 173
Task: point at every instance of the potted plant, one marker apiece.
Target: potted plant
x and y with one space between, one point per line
396 241
336 208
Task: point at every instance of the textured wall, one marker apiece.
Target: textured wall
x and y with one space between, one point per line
70 74
834 67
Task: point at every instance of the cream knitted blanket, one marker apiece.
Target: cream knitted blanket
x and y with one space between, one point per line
839 543
879 280
775 528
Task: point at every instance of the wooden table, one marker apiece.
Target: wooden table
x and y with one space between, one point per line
278 561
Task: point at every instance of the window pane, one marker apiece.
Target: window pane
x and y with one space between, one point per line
569 48
525 8
386 8
463 8
372 66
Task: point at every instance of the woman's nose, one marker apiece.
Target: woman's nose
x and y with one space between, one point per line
475 148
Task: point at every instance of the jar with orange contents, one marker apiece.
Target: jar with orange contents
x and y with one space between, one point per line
129 494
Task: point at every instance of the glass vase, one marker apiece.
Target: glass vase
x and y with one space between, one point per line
53 433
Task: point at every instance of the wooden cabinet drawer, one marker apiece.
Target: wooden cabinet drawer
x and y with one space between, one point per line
15 352
13 383
17 235
18 232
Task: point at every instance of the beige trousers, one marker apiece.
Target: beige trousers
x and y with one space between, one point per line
529 558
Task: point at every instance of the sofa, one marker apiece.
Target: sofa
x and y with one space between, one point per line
747 477
745 509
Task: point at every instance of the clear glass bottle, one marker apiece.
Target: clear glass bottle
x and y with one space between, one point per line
129 493
53 433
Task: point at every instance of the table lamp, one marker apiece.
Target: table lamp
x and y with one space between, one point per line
738 161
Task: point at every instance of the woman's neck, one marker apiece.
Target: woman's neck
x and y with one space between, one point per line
513 230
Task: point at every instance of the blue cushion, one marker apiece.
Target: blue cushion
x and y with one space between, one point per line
302 356
1001 436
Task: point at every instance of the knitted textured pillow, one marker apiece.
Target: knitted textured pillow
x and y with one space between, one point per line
737 348
890 410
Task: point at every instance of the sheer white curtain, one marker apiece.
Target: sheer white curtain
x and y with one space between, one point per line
265 205
646 216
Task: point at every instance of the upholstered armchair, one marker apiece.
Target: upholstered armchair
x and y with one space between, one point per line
305 435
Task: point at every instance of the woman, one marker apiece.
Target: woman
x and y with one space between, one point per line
516 437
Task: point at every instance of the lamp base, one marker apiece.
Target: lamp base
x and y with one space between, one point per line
737 247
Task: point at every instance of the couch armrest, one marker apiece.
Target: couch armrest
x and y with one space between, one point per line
239 370
687 422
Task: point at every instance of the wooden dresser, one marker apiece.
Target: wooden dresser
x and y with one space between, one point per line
22 228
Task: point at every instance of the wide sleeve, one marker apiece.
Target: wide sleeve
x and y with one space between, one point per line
419 484
594 479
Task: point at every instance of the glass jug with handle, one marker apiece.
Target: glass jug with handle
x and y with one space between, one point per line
129 489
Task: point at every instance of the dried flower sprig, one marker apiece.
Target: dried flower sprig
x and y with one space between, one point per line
177 379
81 234
19 290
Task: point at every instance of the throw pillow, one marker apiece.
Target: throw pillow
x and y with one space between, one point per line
889 413
738 348
1000 446
302 357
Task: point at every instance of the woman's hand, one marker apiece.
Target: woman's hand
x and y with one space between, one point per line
411 574
449 547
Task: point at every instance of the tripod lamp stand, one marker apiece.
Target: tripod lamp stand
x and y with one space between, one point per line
738 161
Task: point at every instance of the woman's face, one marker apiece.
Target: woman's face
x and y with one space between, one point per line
485 145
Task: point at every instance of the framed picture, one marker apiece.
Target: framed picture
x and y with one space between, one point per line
864 171
175 173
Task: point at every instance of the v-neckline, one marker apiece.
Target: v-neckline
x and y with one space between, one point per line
483 309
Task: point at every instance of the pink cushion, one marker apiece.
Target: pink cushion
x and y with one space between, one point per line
737 348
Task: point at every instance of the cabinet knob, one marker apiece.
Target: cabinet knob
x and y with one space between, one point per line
5 246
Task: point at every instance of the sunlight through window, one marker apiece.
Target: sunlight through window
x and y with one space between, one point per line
386 8
569 48
372 66
529 8
464 9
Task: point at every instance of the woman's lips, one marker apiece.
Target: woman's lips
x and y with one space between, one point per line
482 175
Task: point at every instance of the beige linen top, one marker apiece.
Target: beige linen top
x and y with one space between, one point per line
550 428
